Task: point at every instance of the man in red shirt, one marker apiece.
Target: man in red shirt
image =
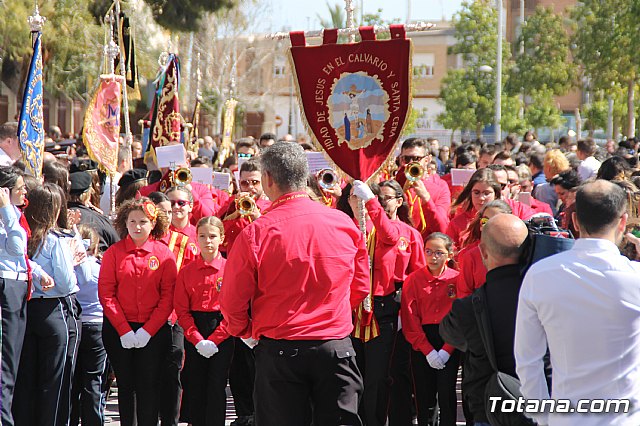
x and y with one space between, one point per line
301 268
429 198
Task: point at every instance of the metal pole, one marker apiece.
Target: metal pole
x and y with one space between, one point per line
610 118
350 20
498 130
351 32
128 137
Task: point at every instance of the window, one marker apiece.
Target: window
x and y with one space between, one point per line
423 65
279 66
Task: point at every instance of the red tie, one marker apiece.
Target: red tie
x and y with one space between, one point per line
27 229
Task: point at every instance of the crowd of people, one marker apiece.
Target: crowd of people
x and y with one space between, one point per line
175 289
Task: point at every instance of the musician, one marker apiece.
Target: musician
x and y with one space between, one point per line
429 198
250 186
181 200
135 288
302 268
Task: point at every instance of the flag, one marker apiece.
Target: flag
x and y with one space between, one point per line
102 125
166 120
127 48
226 147
31 122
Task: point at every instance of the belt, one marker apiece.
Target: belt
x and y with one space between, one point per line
16 276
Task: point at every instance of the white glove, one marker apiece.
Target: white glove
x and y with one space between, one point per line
206 348
251 342
362 191
434 360
143 337
128 340
444 356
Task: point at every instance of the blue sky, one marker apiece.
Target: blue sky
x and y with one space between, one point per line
302 14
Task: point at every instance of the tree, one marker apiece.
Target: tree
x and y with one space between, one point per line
543 110
545 65
469 94
337 17
607 41
185 15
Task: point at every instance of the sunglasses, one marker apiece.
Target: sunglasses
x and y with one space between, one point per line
411 158
244 155
247 182
483 221
438 254
180 203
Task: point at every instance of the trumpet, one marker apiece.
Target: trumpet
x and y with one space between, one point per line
181 177
327 179
246 205
414 171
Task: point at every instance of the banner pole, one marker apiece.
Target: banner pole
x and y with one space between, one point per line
410 28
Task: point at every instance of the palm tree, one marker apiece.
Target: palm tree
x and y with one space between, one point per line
338 18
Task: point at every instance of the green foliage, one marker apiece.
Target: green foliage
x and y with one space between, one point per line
412 121
337 17
184 15
546 60
461 101
595 115
543 111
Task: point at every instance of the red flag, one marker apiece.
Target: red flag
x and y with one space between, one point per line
355 97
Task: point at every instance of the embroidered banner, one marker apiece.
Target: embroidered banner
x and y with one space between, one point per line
102 124
166 121
31 122
355 97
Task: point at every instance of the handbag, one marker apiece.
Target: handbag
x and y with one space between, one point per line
500 384
545 239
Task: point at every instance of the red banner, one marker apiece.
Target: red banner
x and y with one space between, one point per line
355 97
102 124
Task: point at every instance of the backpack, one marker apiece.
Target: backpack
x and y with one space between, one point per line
545 239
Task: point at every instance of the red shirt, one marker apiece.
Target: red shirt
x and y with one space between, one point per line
206 201
197 289
454 190
302 267
412 259
458 224
473 273
523 211
189 231
393 247
432 216
233 227
183 248
136 284
425 300
540 207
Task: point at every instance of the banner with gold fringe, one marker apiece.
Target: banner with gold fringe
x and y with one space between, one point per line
365 326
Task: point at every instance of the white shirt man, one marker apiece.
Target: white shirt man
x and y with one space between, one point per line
585 305
9 145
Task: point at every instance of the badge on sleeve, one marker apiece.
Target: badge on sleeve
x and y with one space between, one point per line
403 244
451 291
219 284
193 248
154 263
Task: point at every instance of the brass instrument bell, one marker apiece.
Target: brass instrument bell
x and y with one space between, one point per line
327 179
414 171
182 176
246 205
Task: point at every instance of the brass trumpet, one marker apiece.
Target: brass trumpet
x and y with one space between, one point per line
181 176
414 171
246 205
327 179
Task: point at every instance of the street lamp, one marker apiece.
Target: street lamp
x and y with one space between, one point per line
498 130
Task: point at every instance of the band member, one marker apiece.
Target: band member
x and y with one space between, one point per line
429 197
136 292
185 251
389 241
302 290
426 298
181 201
250 188
209 348
14 283
43 388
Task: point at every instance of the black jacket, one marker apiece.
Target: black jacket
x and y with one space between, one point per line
99 222
459 328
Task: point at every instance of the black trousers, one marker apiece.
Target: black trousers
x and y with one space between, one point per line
43 388
87 401
13 300
374 361
401 405
242 377
207 377
293 375
138 372
435 386
171 389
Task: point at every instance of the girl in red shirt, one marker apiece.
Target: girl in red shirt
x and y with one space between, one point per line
135 289
208 348
427 297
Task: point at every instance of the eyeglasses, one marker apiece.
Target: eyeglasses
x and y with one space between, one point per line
438 254
247 182
180 203
504 185
244 155
384 200
411 158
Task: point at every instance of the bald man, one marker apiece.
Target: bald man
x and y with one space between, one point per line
500 246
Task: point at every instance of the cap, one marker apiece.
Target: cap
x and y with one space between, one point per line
132 176
83 165
80 182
